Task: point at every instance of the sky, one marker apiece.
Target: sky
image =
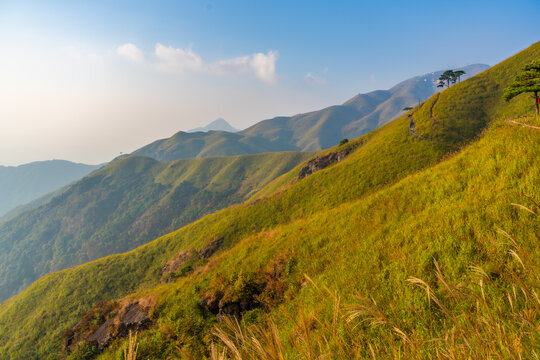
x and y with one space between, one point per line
87 80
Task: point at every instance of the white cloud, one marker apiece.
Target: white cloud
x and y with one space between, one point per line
314 79
178 60
130 52
232 66
264 65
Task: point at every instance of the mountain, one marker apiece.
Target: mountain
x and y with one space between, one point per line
32 204
407 93
305 132
184 145
357 116
385 246
24 183
123 205
216 125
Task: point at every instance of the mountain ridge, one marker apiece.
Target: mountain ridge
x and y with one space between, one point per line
24 183
217 125
123 205
310 131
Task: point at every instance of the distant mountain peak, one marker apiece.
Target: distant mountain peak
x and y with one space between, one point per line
219 124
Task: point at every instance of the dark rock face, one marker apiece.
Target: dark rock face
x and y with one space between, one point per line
132 317
102 336
108 321
323 161
222 305
211 248
264 289
169 272
67 340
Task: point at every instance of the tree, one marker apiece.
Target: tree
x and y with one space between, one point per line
450 77
407 108
458 74
446 78
527 80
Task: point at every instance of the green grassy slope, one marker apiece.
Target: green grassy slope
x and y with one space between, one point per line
128 203
213 143
365 224
407 93
450 213
310 131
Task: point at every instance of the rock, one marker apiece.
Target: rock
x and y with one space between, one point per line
211 248
133 315
169 271
103 336
176 263
110 320
323 161
67 339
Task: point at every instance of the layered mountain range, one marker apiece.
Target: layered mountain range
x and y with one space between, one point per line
421 197
22 184
128 203
417 198
305 132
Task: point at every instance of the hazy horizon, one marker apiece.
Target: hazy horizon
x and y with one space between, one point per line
86 81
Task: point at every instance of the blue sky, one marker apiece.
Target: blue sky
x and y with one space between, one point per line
85 80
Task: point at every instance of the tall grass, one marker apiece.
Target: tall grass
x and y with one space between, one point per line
492 314
131 348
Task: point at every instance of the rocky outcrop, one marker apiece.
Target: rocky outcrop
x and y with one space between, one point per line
211 248
109 320
172 267
324 161
132 315
264 289
187 259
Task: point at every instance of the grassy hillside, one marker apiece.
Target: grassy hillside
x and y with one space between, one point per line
407 93
364 225
25 183
128 203
206 144
315 130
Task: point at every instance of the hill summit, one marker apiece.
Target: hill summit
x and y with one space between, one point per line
217 125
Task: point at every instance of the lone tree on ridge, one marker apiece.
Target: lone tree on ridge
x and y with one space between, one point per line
450 77
527 80
446 78
457 75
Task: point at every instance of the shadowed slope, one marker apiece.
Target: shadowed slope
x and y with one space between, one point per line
22 184
124 205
